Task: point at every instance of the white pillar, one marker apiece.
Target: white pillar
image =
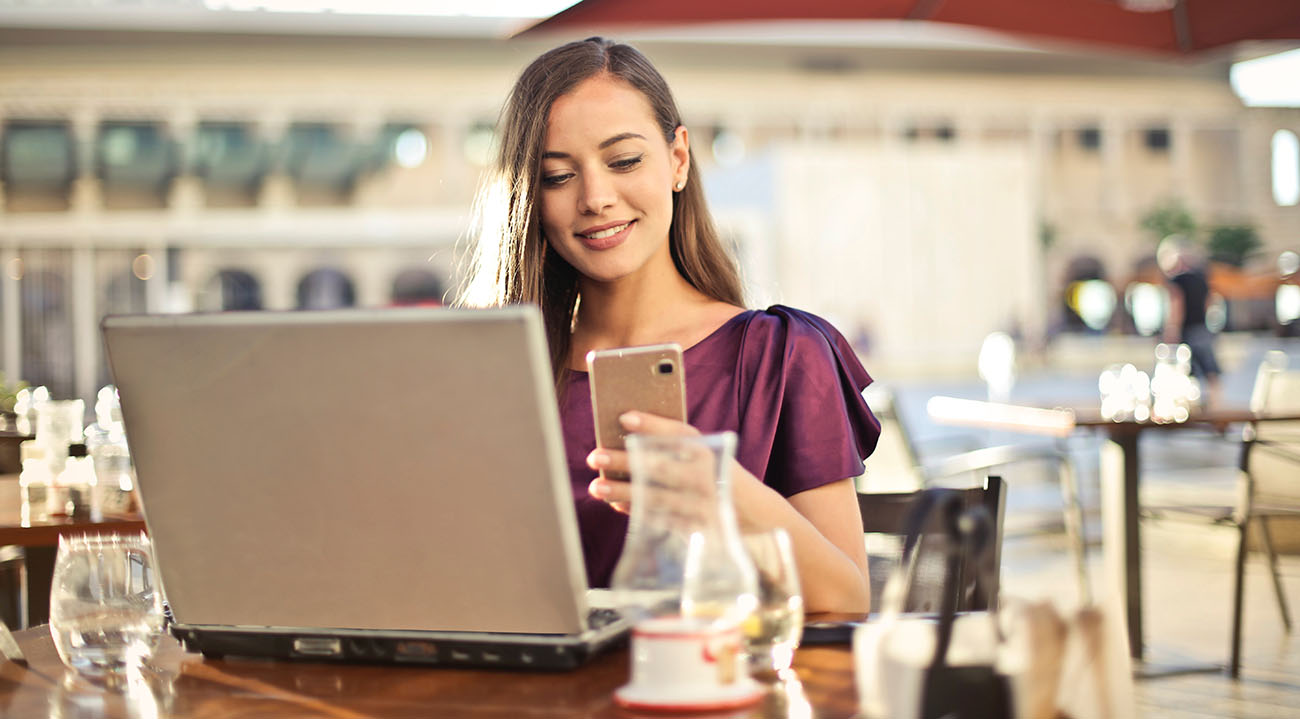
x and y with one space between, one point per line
13 318
84 323
1181 154
277 192
1113 150
87 194
185 197
155 288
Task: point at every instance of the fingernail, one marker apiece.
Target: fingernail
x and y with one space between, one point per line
630 420
598 489
597 460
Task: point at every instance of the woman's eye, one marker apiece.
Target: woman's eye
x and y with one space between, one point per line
556 180
626 163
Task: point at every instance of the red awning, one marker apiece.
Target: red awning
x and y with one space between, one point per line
1165 26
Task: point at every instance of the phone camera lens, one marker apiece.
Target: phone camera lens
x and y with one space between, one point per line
665 367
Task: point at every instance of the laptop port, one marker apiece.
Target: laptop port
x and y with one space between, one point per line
317 647
416 650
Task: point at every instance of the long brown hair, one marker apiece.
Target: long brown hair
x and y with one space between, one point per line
511 261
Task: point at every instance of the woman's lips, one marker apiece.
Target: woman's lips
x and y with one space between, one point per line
606 237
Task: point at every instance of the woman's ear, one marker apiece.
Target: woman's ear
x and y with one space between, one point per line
680 153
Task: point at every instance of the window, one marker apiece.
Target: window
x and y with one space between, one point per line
230 158
120 276
1089 138
417 286
232 289
935 131
1286 168
135 158
1156 139
47 336
325 289
37 158
320 160
404 145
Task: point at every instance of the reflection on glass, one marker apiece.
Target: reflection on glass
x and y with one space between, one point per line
787 698
142 693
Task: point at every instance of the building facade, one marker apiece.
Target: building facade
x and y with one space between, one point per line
921 198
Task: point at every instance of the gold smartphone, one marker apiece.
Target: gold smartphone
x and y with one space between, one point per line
649 379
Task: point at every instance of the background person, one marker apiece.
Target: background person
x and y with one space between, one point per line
594 211
1189 298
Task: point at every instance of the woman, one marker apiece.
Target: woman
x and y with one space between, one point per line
595 213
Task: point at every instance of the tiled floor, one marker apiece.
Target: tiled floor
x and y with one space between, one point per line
1188 583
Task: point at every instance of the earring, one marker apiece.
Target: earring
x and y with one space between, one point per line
679 186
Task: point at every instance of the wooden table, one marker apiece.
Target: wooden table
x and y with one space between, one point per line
41 539
179 685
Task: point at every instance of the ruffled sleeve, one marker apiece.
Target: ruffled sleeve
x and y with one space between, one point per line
803 421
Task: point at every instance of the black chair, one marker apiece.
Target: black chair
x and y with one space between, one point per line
971 460
885 513
13 586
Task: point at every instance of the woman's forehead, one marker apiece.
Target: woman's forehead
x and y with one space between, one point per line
599 104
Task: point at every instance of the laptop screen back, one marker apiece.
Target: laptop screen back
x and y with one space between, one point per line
386 469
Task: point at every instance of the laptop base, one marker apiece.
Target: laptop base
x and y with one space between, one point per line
556 653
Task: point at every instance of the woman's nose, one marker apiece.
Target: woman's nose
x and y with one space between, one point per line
597 194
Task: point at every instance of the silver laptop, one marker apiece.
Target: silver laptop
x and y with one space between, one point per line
382 485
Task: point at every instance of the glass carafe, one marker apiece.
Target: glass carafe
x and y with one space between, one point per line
683 553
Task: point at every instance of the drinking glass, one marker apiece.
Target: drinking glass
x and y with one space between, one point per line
772 634
105 608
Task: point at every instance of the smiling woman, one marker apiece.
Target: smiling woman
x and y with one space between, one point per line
594 211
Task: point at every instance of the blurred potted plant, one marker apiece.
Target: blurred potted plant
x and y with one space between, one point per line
1232 244
9 394
1170 217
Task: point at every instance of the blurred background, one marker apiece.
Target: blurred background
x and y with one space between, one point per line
920 183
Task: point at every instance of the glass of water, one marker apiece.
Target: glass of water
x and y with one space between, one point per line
772 634
106 612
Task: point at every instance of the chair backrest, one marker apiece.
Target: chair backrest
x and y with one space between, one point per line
885 513
1273 462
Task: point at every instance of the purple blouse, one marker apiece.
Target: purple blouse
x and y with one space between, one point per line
785 381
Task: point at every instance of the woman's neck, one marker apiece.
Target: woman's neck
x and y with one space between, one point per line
643 309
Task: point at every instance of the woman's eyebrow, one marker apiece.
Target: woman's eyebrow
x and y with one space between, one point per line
555 155
621 137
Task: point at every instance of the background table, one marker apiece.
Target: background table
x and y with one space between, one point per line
1120 480
40 541
181 685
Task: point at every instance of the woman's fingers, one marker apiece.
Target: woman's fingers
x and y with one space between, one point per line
610 462
615 492
645 423
613 464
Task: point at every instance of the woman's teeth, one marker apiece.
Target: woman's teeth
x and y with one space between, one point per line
602 234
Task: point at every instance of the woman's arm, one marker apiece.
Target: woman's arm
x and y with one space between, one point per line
824 524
